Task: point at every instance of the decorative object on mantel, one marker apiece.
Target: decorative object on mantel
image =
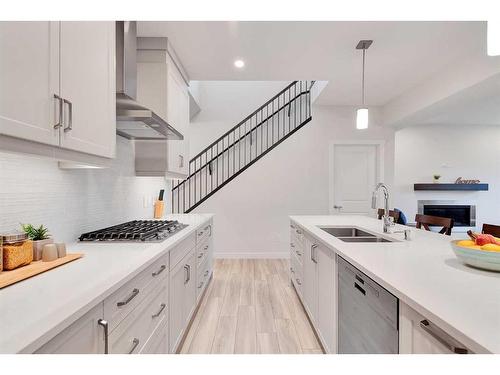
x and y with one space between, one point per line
436 178
460 181
40 237
451 187
11 277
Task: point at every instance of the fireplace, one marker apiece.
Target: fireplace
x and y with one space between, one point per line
462 213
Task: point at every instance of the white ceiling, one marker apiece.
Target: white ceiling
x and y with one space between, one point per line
402 54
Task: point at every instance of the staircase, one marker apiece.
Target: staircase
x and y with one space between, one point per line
243 145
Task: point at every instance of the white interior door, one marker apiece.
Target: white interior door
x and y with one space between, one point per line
354 178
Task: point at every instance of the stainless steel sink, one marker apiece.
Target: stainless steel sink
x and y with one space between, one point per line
352 234
347 232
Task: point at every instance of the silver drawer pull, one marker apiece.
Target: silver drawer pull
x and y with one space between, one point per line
298 231
291 270
291 244
200 256
70 120
103 323
443 337
205 248
162 268
59 123
298 281
134 294
206 273
201 284
200 233
292 226
298 253
162 307
135 343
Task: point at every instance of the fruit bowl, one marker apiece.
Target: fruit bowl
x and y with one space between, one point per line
488 260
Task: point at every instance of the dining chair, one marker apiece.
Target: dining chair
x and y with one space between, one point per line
426 220
494 230
392 213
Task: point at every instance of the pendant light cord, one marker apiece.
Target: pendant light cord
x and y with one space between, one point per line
363 80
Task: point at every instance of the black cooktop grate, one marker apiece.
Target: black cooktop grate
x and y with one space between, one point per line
136 230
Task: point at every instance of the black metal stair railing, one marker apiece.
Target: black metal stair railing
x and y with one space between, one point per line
243 145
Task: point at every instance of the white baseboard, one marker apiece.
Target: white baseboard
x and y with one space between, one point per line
266 255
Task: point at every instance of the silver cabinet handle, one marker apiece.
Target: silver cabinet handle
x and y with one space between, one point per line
337 207
200 233
70 120
443 337
162 268
181 161
210 230
298 231
205 248
292 244
291 270
134 294
187 268
298 281
200 256
59 123
103 323
292 226
162 307
135 343
206 273
201 284
298 253
313 250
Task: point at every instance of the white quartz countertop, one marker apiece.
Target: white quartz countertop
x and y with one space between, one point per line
425 274
34 310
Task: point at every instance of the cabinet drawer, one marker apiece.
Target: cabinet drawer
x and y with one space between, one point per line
203 277
296 274
203 232
203 251
125 299
181 250
158 341
133 332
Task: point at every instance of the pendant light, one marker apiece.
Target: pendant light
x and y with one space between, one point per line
362 113
493 36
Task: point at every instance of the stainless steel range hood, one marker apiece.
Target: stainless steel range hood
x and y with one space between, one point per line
134 121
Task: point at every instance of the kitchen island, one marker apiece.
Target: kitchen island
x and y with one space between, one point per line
422 273
35 310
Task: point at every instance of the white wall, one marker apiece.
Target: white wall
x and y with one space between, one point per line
251 212
471 152
70 202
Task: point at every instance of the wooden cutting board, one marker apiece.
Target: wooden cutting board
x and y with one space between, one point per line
22 273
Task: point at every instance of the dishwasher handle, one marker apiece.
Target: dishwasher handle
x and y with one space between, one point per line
443 337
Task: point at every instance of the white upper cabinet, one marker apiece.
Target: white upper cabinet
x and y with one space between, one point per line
178 117
41 62
29 70
88 87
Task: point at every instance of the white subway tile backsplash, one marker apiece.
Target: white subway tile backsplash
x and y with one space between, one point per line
70 202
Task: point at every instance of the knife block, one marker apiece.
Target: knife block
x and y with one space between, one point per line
159 206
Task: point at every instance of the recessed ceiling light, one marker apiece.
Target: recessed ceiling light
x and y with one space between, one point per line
239 63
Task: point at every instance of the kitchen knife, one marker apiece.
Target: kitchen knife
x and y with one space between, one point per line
162 191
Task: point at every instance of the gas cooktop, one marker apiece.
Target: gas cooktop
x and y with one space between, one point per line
136 230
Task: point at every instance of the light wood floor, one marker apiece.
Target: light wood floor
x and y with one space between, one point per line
250 307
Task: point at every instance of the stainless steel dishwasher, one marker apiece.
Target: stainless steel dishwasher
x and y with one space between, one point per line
367 314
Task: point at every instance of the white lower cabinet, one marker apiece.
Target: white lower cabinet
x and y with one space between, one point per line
85 336
182 297
319 291
418 335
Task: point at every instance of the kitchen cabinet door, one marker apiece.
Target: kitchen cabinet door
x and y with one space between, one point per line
310 280
29 62
87 55
326 316
415 339
178 117
85 336
182 297
190 288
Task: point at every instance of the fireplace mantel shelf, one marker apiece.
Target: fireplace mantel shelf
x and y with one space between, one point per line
451 187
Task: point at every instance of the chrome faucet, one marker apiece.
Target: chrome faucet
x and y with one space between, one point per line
387 221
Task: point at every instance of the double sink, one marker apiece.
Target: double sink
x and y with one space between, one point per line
352 234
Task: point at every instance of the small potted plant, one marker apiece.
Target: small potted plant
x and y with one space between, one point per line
40 236
436 178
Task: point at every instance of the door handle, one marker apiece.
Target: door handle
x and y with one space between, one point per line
59 123
69 127
313 251
103 323
443 337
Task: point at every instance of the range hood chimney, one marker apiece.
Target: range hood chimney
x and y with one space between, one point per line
134 121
